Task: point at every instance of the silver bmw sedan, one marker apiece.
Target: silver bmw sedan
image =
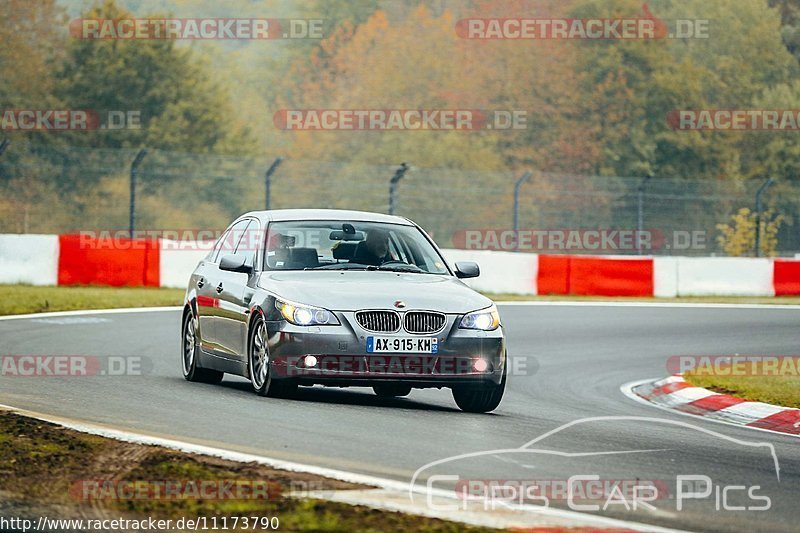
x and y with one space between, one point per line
303 297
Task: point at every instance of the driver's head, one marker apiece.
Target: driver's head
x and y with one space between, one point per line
378 242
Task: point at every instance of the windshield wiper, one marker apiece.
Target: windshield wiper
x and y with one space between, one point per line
403 268
342 266
360 266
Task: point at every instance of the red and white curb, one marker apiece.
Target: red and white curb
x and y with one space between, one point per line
676 394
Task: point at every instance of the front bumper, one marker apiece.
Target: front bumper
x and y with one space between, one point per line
342 358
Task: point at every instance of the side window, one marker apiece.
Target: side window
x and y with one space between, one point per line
250 242
229 240
212 256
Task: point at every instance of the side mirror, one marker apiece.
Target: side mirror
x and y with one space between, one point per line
235 263
467 269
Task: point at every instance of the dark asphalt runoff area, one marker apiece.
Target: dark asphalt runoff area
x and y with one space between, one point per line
576 357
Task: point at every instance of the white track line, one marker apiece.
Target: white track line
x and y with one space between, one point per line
92 312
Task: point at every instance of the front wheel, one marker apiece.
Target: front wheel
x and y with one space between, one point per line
262 379
480 399
190 349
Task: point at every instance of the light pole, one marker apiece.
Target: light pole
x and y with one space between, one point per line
640 212
517 186
759 210
134 172
268 180
398 175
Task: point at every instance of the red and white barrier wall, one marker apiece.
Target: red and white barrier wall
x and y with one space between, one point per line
501 272
31 259
81 260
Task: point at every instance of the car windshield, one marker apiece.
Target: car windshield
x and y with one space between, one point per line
342 245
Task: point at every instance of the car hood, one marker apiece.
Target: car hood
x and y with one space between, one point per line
353 290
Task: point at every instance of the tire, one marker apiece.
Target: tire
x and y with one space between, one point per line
189 352
391 390
262 379
480 399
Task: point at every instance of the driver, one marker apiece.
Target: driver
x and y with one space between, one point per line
374 250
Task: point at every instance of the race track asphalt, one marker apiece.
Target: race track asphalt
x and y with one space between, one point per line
577 357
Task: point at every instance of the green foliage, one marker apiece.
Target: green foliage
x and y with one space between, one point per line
738 238
790 24
636 83
181 107
31 45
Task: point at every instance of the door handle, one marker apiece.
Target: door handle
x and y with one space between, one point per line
219 288
201 282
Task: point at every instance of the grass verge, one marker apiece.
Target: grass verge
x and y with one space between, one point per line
23 299
46 468
761 386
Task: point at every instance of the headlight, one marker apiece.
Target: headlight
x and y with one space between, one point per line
305 315
486 319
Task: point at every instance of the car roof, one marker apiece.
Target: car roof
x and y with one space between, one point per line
283 215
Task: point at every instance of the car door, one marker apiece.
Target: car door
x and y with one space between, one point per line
208 296
205 300
234 298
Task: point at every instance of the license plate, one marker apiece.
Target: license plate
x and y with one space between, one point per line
402 345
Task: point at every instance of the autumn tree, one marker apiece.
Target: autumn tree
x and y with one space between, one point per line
182 106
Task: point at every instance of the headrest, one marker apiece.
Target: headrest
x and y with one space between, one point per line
345 250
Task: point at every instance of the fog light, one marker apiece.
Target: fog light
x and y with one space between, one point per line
310 361
480 365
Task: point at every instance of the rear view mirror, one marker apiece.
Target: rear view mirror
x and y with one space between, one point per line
341 235
467 269
235 263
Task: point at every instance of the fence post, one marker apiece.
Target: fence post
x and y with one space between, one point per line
398 175
640 213
759 210
517 186
268 180
4 145
134 171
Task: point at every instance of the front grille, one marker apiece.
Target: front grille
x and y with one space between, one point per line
379 321
423 322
